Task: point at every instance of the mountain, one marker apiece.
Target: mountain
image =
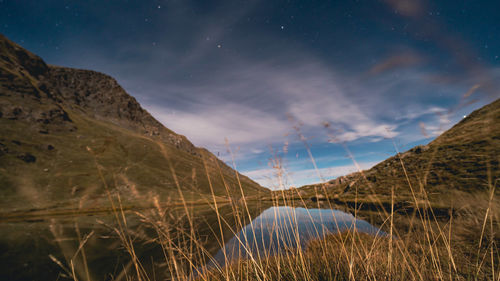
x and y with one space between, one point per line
68 134
464 159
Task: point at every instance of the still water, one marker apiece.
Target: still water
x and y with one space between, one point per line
29 249
279 228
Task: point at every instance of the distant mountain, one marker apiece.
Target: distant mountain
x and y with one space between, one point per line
60 126
463 159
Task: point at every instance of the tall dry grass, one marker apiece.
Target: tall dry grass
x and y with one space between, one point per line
418 246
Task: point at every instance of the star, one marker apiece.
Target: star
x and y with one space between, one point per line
219 46
282 27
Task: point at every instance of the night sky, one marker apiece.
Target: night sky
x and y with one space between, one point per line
267 75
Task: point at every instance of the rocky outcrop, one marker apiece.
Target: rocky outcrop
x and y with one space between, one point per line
59 126
99 96
24 75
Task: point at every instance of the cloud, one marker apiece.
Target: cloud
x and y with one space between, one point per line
439 125
366 82
466 60
409 8
269 177
211 125
208 94
248 102
377 132
419 112
396 61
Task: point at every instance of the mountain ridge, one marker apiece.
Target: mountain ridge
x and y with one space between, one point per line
464 158
54 116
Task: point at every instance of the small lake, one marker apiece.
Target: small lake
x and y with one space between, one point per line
28 248
283 227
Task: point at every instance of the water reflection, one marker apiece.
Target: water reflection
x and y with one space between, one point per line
162 240
279 228
45 248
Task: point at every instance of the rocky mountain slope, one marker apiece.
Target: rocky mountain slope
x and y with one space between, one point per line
62 128
464 159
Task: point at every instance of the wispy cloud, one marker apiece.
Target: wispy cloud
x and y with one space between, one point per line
250 101
229 70
396 61
270 177
211 125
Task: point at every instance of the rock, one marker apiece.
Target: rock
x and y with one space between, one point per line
27 157
3 149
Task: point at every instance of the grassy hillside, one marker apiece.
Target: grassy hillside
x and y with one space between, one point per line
439 203
66 134
463 160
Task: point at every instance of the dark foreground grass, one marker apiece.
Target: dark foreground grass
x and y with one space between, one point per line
461 242
464 247
414 243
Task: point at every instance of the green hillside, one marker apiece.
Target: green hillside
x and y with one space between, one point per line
463 160
61 128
